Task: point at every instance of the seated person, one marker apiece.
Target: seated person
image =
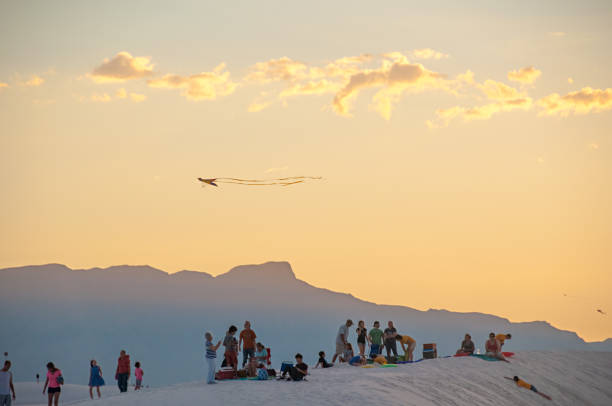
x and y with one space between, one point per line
261 355
467 346
322 361
357 361
493 348
251 367
298 372
408 345
262 372
348 353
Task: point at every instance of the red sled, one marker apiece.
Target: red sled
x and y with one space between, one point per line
225 373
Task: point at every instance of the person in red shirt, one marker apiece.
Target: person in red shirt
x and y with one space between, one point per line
247 336
123 371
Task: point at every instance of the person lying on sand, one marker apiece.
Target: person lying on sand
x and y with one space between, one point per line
357 361
322 361
523 384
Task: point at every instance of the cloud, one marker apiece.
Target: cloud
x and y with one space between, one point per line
526 75
121 94
100 98
33 81
310 88
256 107
484 112
593 146
3 85
395 78
584 101
570 81
499 91
137 98
122 67
201 86
277 69
428 53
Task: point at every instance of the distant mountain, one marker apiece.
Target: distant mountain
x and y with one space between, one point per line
51 312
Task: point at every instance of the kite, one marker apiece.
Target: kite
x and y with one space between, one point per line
601 311
259 182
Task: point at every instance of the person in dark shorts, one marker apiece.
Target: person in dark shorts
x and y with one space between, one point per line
390 341
322 361
298 372
54 380
362 337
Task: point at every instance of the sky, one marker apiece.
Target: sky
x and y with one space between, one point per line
465 150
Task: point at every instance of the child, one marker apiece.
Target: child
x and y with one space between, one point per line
231 347
322 361
523 384
357 361
138 374
211 354
262 373
298 372
348 353
380 360
95 378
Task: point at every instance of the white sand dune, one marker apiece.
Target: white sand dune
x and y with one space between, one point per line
573 378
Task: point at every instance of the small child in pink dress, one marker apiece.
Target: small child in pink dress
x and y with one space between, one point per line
138 373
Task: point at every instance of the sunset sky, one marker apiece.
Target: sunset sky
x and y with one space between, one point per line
466 147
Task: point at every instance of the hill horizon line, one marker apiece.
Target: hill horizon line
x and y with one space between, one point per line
282 269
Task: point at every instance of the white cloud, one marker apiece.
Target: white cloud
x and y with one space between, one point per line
137 98
428 53
584 101
201 86
525 75
122 67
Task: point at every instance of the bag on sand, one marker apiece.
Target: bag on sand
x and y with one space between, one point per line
225 373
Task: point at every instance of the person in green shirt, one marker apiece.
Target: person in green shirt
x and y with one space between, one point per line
375 338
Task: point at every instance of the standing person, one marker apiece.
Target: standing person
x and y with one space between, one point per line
231 347
342 339
362 337
138 373
6 385
406 340
502 339
247 336
375 338
390 333
123 371
54 380
37 378
95 378
493 348
467 346
211 355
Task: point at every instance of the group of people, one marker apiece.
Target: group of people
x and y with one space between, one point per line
378 340
55 380
493 346
254 354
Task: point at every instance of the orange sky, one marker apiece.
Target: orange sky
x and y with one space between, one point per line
466 152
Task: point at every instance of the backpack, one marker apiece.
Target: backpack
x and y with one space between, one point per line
60 380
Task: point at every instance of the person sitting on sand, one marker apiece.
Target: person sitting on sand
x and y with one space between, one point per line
262 373
493 349
408 345
357 361
322 361
467 346
298 372
348 353
523 384
261 355
502 339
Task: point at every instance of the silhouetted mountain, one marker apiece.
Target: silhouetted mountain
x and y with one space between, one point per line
53 313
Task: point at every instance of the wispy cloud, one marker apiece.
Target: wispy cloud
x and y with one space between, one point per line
279 169
593 146
100 98
201 86
525 75
428 53
584 101
3 85
122 67
33 81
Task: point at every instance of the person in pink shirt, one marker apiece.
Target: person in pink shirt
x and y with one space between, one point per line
54 380
138 374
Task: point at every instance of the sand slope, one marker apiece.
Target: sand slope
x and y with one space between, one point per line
574 378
